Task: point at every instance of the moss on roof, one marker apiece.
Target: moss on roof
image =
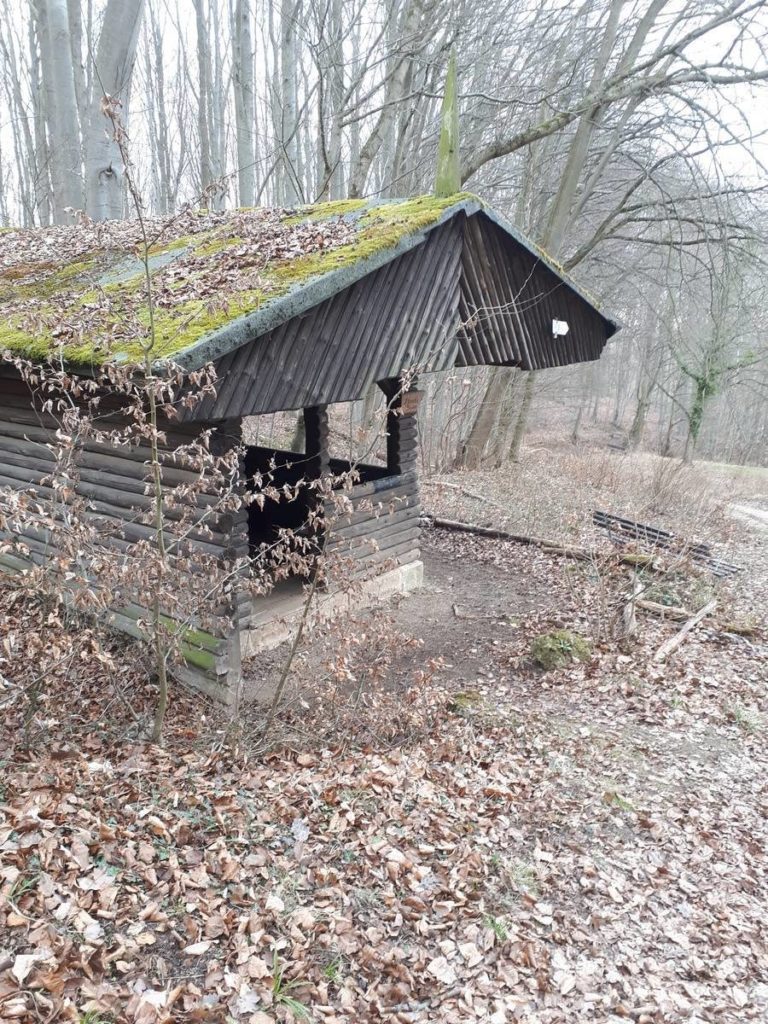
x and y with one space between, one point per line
79 292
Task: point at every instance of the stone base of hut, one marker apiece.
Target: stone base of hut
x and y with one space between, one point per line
276 617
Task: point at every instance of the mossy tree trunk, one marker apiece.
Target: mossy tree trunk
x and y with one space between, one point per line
704 388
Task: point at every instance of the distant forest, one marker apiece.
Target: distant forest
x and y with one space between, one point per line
626 138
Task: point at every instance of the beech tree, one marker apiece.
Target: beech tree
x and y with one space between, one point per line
621 135
84 167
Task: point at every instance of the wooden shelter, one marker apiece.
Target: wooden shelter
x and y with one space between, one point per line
297 310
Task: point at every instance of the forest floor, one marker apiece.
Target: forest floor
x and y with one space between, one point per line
441 831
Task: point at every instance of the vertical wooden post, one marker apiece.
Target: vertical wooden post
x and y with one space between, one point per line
318 466
236 609
402 426
227 435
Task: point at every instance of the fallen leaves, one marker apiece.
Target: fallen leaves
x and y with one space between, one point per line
198 948
224 257
23 964
458 930
442 970
573 848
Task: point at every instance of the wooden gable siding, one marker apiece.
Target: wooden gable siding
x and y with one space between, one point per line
508 303
404 314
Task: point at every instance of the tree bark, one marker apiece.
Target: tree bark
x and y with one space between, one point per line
115 58
245 106
637 429
473 450
61 108
289 150
522 419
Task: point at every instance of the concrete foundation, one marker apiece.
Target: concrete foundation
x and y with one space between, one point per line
275 618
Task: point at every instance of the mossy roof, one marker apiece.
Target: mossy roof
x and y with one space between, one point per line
78 293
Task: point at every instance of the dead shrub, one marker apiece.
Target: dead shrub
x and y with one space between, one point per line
350 688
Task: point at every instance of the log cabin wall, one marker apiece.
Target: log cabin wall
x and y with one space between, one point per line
113 480
382 529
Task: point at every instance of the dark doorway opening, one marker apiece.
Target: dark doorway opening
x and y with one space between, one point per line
272 469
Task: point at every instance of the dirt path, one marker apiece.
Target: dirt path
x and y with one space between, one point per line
757 517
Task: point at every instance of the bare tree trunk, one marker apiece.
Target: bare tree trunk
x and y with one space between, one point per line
75 16
333 165
41 159
61 108
501 436
245 106
158 117
289 149
115 56
522 419
473 451
216 110
637 429
204 97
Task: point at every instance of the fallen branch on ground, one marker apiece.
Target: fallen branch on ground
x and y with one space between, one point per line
671 645
678 614
666 611
582 554
553 547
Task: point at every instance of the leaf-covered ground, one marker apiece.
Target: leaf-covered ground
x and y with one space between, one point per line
587 844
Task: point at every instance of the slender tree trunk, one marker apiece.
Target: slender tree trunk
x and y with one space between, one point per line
245 105
289 149
41 160
75 17
115 58
216 110
204 97
522 419
637 429
334 169
60 108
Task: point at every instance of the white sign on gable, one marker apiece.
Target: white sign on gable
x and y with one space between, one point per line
559 328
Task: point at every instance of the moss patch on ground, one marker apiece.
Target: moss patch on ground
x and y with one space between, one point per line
559 648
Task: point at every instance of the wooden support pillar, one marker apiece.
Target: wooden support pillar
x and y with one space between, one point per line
316 445
227 435
402 426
